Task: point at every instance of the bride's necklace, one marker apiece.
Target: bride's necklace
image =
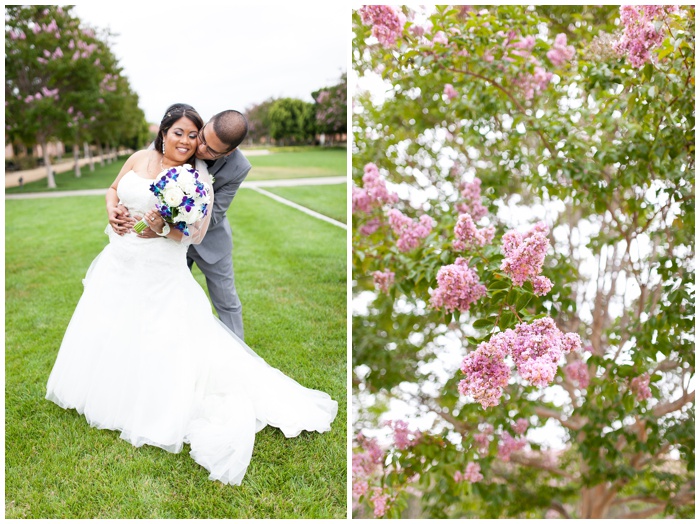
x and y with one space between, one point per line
162 167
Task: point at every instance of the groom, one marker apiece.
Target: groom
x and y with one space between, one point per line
218 147
218 143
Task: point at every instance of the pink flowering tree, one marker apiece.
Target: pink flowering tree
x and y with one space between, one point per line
332 109
523 243
58 74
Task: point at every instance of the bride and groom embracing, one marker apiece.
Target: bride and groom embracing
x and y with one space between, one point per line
172 373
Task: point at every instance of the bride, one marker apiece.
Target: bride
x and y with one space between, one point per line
170 372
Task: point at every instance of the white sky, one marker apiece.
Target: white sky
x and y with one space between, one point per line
218 57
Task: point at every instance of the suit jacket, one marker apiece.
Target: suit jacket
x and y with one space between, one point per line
228 172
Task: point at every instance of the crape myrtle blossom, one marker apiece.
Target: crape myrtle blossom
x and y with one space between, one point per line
387 22
374 192
471 192
380 500
370 227
409 231
486 371
458 287
509 445
472 473
364 464
640 386
520 426
524 255
383 280
403 437
560 53
577 371
536 350
450 92
642 31
467 234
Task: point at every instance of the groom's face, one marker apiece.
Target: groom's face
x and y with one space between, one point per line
209 147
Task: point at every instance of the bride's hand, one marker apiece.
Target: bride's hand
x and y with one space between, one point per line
155 224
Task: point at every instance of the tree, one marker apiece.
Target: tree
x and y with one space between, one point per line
332 108
58 74
291 118
526 185
258 120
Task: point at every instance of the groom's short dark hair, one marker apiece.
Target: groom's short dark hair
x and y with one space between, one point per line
231 127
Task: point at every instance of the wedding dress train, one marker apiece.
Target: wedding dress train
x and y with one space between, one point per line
144 355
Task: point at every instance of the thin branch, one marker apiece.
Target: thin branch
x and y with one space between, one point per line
664 409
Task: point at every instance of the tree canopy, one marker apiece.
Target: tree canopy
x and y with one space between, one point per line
523 262
63 82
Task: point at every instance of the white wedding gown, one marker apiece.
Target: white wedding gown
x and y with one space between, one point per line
144 355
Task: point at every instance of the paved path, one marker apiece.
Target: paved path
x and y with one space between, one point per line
256 185
39 173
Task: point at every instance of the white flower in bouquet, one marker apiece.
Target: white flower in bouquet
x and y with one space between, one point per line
173 195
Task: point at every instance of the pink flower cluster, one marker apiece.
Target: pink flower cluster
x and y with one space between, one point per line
471 191
524 256
440 38
641 34
450 92
640 386
458 287
409 231
472 473
17 35
403 437
82 50
44 93
383 280
387 22
577 371
364 464
531 84
560 53
374 192
535 348
467 234
509 445
380 500
370 227
520 426
482 439
528 83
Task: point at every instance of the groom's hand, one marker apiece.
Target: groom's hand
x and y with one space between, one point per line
119 219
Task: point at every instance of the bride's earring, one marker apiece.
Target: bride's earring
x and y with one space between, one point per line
163 148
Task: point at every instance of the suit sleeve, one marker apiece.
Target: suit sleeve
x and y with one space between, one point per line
225 193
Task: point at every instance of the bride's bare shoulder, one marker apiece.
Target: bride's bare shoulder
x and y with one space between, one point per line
139 160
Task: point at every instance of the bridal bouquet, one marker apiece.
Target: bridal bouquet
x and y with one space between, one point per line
182 198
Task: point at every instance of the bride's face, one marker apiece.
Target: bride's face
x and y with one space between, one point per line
181 140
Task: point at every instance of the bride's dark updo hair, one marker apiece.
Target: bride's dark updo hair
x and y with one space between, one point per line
174 113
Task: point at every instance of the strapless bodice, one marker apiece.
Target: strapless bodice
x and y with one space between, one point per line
134 193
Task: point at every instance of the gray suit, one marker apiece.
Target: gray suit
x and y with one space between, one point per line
213 254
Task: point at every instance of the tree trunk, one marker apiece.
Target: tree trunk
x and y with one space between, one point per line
47 162
88 155
76 159
100 154
596 501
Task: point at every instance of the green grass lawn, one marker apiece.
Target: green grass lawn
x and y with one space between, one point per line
280 163
291 276
298 163
328 200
